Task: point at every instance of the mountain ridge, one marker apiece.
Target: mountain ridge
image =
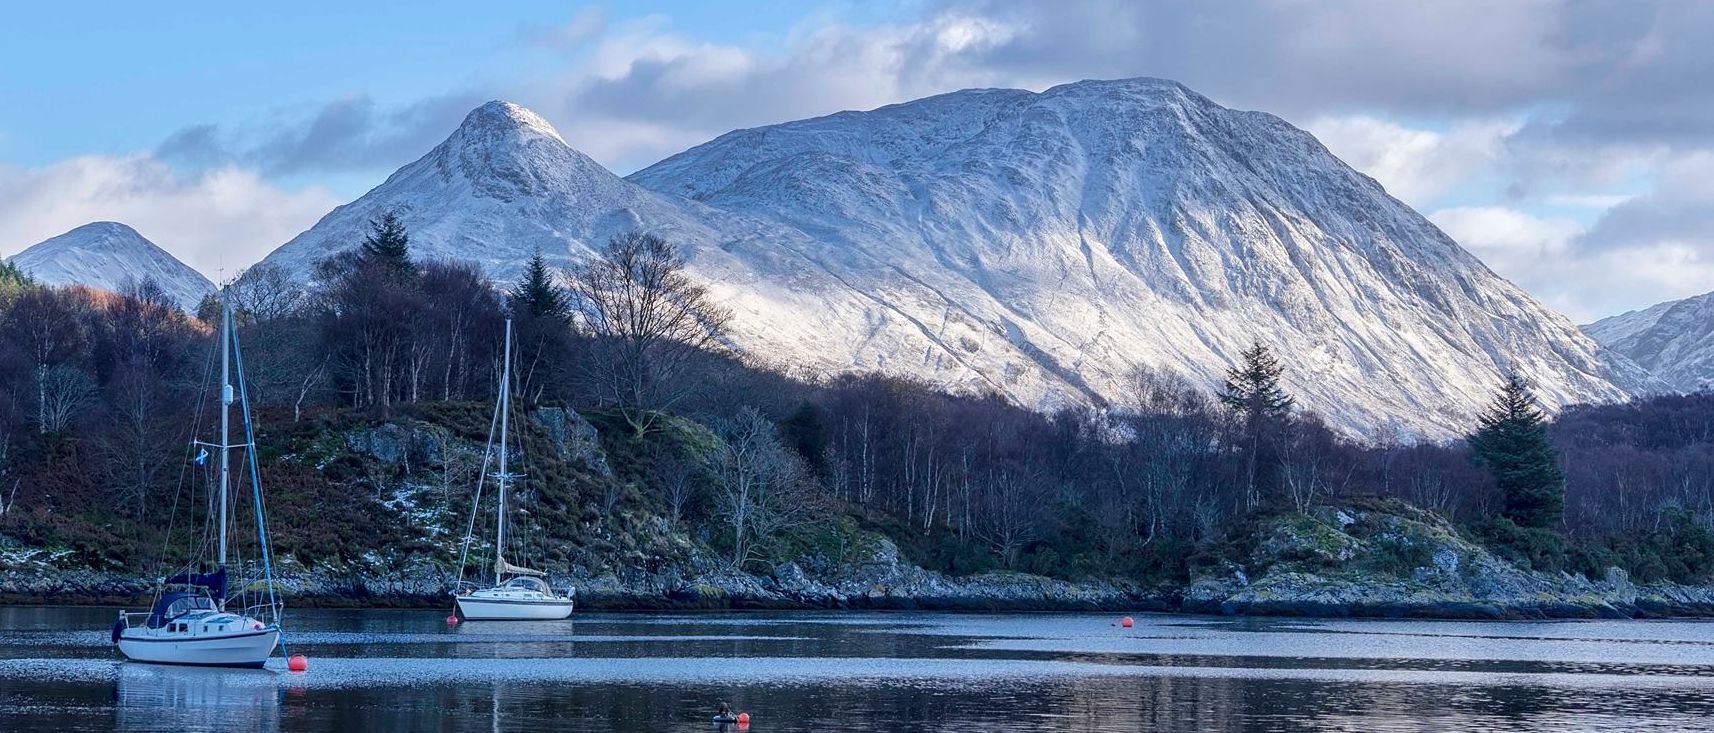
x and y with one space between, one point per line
1674 340
1039 245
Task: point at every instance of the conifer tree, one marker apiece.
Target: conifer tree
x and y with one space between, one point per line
388 244
1252 390
1253 387
1512 442
537 295
541 319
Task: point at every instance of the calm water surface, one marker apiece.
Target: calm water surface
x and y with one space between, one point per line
407 670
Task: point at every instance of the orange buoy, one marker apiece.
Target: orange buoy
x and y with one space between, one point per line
1126 622
298 663
452 620
743 720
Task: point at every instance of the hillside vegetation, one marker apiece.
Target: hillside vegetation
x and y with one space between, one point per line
657 469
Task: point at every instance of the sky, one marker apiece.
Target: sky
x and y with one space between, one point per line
1568 144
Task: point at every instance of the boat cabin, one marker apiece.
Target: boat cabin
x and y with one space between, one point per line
527 583
171 606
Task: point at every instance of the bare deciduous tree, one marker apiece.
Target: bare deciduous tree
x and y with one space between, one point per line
762 486
678 481
648 320
1012 516
266 292
63 391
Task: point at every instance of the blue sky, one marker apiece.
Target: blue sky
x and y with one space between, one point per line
128 81
1569 144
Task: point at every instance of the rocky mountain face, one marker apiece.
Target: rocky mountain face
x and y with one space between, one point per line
1674 340
1038 245
110 256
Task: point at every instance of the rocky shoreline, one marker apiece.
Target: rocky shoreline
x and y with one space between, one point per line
886 582
1323 577
1356 558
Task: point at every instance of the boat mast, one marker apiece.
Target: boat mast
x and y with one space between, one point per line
225 412
505 412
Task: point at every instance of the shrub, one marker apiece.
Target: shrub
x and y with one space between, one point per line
1531 547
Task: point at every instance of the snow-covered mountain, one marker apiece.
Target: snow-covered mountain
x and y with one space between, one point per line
110 255
1674 340
1040 245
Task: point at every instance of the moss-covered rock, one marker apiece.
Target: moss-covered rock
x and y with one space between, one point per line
1382 557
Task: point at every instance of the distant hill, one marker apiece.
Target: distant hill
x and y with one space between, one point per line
110 255
1675 340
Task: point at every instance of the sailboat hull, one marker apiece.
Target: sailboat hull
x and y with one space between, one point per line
478 607
243 649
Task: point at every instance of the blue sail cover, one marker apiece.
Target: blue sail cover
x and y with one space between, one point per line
172 605
215 582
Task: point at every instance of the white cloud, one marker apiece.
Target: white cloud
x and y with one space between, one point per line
1417 166
218 219
645 90
1546 257
1590 200
588 22
1513 243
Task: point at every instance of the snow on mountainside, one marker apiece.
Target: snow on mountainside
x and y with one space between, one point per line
1106 224
1674 340
110 255
1040 245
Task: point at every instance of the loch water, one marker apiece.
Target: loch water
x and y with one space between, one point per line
848 671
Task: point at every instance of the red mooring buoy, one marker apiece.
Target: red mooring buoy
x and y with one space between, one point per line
298 663
743 720
452 620
1126 622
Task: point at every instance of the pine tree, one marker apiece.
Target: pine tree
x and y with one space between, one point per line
388 244
1253 391
1512 442
541 321
1253 387
537 295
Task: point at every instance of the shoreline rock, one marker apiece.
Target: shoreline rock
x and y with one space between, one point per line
1362 558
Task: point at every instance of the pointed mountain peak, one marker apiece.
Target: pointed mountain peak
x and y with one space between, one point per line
505 118
505 151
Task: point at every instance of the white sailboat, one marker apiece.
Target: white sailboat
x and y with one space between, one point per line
189 622
518 593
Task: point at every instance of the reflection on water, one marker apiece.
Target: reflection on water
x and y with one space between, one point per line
382 670
154 697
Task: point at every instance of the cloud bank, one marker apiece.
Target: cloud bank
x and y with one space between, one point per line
216 220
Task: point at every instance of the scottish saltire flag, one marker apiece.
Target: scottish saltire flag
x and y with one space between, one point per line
202 457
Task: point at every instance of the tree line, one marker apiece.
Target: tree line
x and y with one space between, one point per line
105 384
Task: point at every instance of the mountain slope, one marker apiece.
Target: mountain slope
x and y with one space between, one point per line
504 186
110 256
1111 224
1674 340
1041 246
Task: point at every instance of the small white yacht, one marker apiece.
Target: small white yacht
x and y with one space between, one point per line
521 598
518 593
190 621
